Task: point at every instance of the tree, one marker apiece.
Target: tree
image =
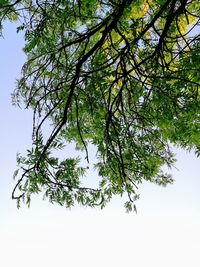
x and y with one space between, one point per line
122 75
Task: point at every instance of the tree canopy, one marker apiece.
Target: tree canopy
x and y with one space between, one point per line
122 75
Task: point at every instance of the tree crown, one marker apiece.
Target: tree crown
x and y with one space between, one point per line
122 75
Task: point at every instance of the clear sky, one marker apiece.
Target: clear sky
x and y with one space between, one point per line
165 232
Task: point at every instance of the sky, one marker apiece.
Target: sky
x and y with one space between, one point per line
165 231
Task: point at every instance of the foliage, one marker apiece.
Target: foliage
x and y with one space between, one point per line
122 75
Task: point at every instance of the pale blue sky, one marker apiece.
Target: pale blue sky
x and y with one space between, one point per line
165 232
